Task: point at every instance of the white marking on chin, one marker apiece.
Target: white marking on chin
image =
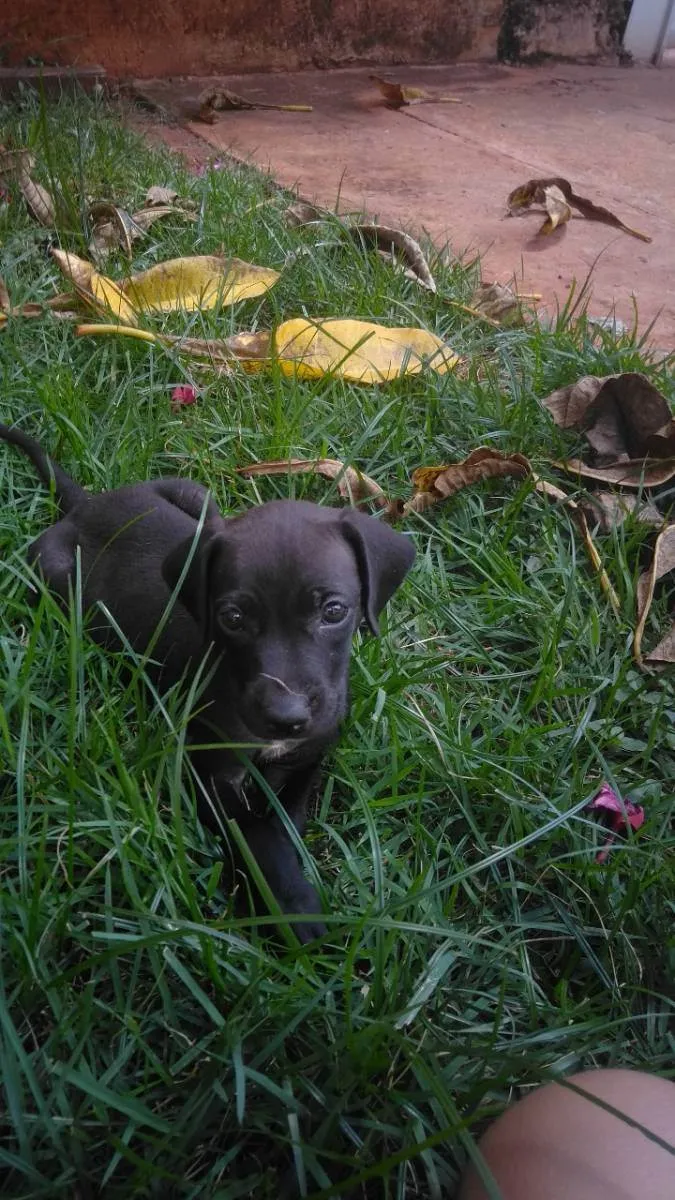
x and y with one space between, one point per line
274 750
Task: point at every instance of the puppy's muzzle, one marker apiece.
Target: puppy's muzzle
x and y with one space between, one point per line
283 712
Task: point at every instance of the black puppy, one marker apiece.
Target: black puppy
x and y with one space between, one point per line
265 604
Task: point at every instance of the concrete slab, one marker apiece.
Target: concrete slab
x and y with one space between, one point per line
447 168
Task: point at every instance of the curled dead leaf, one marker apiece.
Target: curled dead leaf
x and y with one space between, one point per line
623 416
352 485
301 212
112 226
533 192
38 200
396 95
160 195
608 510
662 564
553 492
557 208
634 473
16 162
434 484
145 217
396 240
214 100
498 304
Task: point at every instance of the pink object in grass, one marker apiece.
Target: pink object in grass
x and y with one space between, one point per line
183 394
616 814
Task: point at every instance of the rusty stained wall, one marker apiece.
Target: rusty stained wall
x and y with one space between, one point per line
533 29
180 37
183 37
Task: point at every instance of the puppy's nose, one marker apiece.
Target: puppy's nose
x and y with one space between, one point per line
288 715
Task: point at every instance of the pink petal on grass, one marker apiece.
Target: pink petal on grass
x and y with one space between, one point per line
616 814
183 394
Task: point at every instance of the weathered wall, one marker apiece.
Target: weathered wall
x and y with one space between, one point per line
170 37
220 36
533 29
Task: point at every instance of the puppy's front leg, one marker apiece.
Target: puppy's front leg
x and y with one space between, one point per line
274 851
275 854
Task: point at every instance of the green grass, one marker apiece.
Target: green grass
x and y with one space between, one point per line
150 1044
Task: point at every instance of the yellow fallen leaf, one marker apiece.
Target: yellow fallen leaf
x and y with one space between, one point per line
356 350
200 282
360 351
95 289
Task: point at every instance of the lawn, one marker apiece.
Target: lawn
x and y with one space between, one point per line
152 1045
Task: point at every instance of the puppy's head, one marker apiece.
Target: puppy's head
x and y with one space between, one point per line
280 591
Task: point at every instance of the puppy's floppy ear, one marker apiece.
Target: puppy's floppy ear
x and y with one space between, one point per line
383 556
195 589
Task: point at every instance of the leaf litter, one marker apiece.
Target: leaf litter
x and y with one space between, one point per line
19 164
215 100
535 190
625 419
359 351
628 424
663 563
398 95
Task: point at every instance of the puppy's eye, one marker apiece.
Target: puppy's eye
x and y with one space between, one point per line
333 612
231 618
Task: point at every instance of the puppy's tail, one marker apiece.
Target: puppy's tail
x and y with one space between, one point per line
67 491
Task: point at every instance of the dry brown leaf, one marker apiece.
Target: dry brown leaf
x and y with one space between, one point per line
38 200
16 162
396 95
557 208
301 212
251 350
533 192
552 492
352 485
500 304
634 473
433 484
112 226
5 302
214 100
622 416
160 195
662 563
387 239
608 510
145 217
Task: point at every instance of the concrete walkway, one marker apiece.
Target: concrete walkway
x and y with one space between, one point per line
448 168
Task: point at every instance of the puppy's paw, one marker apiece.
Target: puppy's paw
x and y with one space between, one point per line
307 931
304 899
